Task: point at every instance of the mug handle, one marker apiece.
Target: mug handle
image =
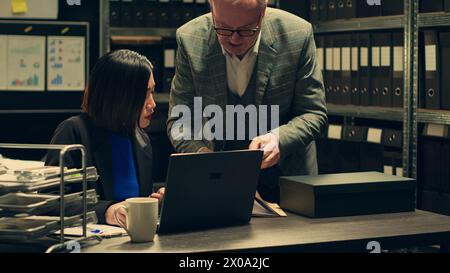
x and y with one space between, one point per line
122 225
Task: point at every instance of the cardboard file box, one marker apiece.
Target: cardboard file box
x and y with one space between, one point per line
347 194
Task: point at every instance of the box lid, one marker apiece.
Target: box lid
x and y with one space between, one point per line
350 182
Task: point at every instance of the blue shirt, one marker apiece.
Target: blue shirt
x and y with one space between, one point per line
126 184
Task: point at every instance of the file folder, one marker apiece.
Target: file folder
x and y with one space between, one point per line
392 7
346 73
374 10
392 138
355 134
397 69
329 69
332 10
337 68
139 13
431 5
151 13
176 13
188 11
354 87
386 71
364 69
432 77
114 13
314 11
164 13
350 9
340 9
362 9
445 68
376 68
431 164
127 13
320 51
371 157
323 10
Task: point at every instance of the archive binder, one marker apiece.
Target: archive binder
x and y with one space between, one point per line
314 11
432 77
164 13
323 10
340 9
445 68
392 7
447 5
386 71
337 68
151 13
139 13
329 69
114 13
188 11
364 69
376 69
332 10
397 69
350 9
346 73
354 86
127 13
431 5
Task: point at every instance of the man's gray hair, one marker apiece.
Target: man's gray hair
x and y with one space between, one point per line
262 3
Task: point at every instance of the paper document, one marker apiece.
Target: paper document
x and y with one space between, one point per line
262 208
93 229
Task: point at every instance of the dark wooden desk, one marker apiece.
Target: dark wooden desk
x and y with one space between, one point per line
299 234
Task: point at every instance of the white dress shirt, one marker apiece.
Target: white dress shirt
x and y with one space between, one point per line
239 71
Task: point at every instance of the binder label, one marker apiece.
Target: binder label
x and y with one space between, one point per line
329 57
375 56
335 131
398 59
374 135
386 56
437 130
346 59
430 58
320 60
364 56
355 59
336 59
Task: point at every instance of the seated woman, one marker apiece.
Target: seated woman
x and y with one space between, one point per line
117 105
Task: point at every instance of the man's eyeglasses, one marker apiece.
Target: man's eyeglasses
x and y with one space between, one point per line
240 32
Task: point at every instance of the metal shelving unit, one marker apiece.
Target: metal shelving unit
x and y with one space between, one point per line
411 21
139 32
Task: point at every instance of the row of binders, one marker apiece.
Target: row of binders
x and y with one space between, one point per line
358 148
362 68
155 13
367 68
330 10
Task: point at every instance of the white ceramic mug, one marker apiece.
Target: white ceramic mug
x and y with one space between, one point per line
142 218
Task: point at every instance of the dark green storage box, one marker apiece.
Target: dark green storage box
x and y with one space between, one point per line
347 194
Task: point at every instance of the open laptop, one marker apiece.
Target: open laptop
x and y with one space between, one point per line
207 190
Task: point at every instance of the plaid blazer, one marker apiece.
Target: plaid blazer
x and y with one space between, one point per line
288 75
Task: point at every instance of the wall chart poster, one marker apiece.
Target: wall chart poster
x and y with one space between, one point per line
26 63
66 68
3 64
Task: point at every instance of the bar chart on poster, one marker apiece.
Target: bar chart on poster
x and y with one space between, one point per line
65 63
26 63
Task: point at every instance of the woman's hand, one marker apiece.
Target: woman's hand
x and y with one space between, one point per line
159 194
109 215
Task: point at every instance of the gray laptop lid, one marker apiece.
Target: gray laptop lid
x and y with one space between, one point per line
206 190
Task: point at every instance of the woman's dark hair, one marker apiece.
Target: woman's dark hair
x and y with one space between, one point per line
117 90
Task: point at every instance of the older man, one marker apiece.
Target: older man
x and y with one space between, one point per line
244 53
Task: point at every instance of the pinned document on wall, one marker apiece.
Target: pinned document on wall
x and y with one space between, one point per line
26 63
19 6
3 63
66 63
